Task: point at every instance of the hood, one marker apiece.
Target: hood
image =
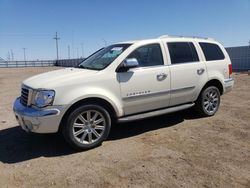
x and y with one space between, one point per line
51 79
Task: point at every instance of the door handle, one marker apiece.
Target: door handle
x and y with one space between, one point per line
200 71
161 76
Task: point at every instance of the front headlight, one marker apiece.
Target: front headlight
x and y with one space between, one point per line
43 98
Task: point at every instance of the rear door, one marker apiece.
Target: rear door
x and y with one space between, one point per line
146 87
188 72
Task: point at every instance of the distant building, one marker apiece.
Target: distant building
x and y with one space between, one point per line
240 57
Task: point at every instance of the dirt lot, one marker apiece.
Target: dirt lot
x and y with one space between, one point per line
175 150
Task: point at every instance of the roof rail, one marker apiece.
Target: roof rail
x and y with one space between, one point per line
180 36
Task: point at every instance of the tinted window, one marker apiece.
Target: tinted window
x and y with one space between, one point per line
182 52
149 55
211 51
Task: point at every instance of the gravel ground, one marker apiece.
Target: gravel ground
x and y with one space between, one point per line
174 150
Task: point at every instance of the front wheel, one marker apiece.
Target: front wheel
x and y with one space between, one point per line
87 127
208 102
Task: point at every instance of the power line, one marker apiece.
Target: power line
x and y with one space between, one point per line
56 38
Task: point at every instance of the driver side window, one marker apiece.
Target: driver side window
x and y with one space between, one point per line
148 55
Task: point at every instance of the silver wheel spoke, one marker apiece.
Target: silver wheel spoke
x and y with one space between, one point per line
82 119
88 116
90 137
96 133
98 127
206 103
94 117
84 136
99 121
78 125
79 132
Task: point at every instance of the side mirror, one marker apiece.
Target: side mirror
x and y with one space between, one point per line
128 64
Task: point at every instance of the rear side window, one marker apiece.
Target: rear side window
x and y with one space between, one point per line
211 51
182 52
148 55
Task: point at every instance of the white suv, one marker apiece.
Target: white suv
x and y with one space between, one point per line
125 82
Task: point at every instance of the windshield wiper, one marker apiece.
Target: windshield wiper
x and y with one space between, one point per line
83 67
89 68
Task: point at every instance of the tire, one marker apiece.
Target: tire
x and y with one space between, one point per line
87 127
208 101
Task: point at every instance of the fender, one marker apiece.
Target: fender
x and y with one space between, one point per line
80 93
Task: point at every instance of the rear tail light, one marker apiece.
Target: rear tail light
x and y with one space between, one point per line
230 69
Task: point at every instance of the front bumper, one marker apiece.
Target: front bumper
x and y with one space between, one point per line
228 85
38 120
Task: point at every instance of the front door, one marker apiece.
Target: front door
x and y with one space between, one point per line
146 87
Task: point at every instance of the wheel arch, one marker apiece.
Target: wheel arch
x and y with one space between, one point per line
91 100
214 82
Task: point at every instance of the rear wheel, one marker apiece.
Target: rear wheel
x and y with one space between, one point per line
208 101
87 127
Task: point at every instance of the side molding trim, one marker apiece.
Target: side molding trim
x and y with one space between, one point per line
154 113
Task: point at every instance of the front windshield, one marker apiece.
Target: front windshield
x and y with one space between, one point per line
103 57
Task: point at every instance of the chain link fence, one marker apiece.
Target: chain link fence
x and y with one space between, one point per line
17 64
240 57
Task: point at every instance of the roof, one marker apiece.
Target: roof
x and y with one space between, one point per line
170 37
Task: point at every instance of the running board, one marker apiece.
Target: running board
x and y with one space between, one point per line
154 113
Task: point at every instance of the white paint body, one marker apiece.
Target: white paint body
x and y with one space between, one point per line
182 84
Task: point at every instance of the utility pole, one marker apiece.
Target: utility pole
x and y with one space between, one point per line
8 56
68 52
24 54
82 50
12 55
56 38
249 42
77 53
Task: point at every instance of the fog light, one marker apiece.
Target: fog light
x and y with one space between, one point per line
28 124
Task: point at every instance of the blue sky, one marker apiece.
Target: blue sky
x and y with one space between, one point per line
32 24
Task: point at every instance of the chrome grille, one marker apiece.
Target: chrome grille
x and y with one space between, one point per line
24 96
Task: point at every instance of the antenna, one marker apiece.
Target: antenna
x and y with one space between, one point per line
56 38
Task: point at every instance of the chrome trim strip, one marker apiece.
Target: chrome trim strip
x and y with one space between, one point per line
158 92
155 113
29 101
182 89
228 80
33 112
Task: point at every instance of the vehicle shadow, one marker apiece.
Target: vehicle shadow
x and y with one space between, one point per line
17 146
